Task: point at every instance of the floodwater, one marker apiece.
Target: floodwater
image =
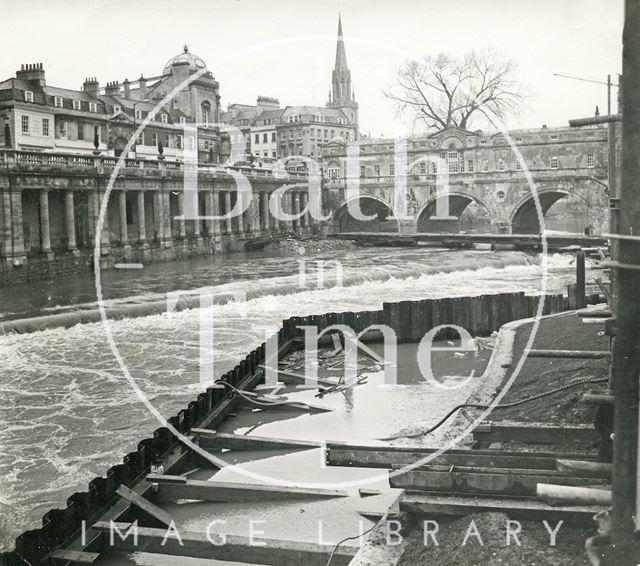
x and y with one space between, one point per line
68 413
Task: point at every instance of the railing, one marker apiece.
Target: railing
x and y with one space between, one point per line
37 159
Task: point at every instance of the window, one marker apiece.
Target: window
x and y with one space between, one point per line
392 169
518 138
183 120
362 170
376 170
273 136
257 138
179 141
77 105
501 164
206 144
554 162
470 166
164 118
25 124
28 96
483 142
518 165
93 106
80 129
117 109
152 117
554 136
273 154
423 168
590 160
140 140
57 101
452 161
154 138
485 166
265 137
434 167
138 114
45 127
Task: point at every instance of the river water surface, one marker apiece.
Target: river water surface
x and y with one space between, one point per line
67 411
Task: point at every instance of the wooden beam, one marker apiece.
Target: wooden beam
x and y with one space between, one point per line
542 433
143 503
74 556
574 494
598 399
212 440
229 491
569 354
383 457
490 482
520 508
293 378
601 468
235 548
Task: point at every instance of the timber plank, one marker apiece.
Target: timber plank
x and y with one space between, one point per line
431 505
229 491
542 433
228 548
74 556
212 440
516 482
143 503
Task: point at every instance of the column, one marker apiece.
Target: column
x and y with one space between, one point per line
227 209
71 222
181 221
196 222
122 206
158 223
45 234
208 212
142 232
167 232
13 235
295 209
304 203
240 218
216 212
265 211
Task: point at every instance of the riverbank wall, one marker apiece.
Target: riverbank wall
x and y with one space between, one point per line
410 320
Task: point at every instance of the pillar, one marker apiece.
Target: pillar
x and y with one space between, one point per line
167 232
240 218
122 206
265 211
295 209
181 221
45 232
142 232
208 212
216 212
227 209
13 233
71 222
304 202
157 215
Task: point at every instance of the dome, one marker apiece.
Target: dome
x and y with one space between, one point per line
195 63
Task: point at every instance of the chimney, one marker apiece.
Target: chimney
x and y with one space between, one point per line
143 88
127 88
91 86
112 89
33 73
544 126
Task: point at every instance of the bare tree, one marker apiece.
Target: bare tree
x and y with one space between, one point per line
441 91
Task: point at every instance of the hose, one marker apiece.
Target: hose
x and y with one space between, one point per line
501 406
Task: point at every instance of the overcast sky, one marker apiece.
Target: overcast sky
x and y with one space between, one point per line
286 48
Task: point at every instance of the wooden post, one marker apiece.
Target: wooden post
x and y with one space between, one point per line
580 281
626 348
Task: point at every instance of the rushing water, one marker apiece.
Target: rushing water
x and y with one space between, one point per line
68 413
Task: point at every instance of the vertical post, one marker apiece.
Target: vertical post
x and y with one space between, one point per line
625 362
216 212
608 95
122 205
240 218
265 211
181 221
227 209
157 215
71 222
208 212
45 233
581 299
142 232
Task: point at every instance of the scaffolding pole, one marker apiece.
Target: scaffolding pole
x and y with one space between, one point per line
625 368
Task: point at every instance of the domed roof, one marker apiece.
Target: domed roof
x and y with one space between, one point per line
195 63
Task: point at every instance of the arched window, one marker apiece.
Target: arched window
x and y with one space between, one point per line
206 112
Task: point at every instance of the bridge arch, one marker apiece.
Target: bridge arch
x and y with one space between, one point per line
524 217
384 221
469 214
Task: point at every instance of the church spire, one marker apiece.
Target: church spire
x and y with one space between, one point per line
341 55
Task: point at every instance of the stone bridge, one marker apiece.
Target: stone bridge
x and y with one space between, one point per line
50 204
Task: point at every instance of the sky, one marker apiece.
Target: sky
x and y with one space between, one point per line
286 48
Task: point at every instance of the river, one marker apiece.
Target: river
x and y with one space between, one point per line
68 413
